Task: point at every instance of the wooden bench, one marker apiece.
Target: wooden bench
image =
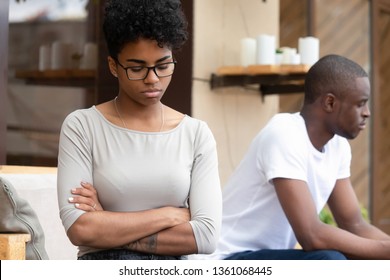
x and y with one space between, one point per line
38 185
18 169
13 246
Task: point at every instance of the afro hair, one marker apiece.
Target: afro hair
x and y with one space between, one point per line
129 20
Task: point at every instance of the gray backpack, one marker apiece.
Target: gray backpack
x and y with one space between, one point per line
17 216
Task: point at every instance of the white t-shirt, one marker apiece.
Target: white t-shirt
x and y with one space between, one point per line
253 218
134 171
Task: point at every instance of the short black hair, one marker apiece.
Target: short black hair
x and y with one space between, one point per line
331 74
129 20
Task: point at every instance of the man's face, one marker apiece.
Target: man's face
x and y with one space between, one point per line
353 111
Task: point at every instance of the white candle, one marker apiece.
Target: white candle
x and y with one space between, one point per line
265 50
44 57
59 55
89 58
309 50
296 59
287 54
248 51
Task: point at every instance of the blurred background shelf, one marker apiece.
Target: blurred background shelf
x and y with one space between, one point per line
71 77
272 79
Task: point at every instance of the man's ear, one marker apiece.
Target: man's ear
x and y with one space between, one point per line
112 66
328 102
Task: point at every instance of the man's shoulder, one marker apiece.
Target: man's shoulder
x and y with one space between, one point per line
283 131
285 123
286 117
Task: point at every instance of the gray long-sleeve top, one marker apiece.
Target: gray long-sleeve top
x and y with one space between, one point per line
134 170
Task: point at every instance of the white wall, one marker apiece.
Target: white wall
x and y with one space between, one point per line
234 114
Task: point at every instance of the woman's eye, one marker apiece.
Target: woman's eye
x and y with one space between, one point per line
136 69
162 66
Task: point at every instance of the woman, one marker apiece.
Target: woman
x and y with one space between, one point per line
149 174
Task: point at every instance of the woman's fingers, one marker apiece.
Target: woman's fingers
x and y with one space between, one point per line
83 203
86 198
86 190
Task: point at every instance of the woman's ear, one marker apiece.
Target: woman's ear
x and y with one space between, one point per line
328 102
112 66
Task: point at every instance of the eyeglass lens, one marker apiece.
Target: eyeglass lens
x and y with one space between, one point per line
141 72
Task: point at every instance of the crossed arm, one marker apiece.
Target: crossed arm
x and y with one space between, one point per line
354 237
164 231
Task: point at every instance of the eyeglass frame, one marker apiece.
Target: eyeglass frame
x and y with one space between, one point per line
147 72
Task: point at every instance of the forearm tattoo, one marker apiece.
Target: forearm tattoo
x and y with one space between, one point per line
151 244
132 246
145 245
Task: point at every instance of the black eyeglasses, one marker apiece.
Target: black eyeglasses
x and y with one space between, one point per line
162 70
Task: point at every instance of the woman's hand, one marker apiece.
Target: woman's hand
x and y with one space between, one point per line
176 215
86 198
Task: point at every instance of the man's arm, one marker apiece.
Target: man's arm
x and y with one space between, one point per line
346 211
312 234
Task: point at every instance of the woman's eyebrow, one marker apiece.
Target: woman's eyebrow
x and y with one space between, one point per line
163 58
139 61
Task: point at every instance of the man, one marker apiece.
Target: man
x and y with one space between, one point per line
294 166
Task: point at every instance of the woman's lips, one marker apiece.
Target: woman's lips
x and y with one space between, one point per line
152 93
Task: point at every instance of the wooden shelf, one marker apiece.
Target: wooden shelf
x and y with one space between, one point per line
283 69
272 79
71 77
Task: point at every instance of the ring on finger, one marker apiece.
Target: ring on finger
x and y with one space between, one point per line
94 206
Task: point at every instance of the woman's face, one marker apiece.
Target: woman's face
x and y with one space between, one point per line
143 53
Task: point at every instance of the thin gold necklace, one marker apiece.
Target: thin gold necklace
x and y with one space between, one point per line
123 122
